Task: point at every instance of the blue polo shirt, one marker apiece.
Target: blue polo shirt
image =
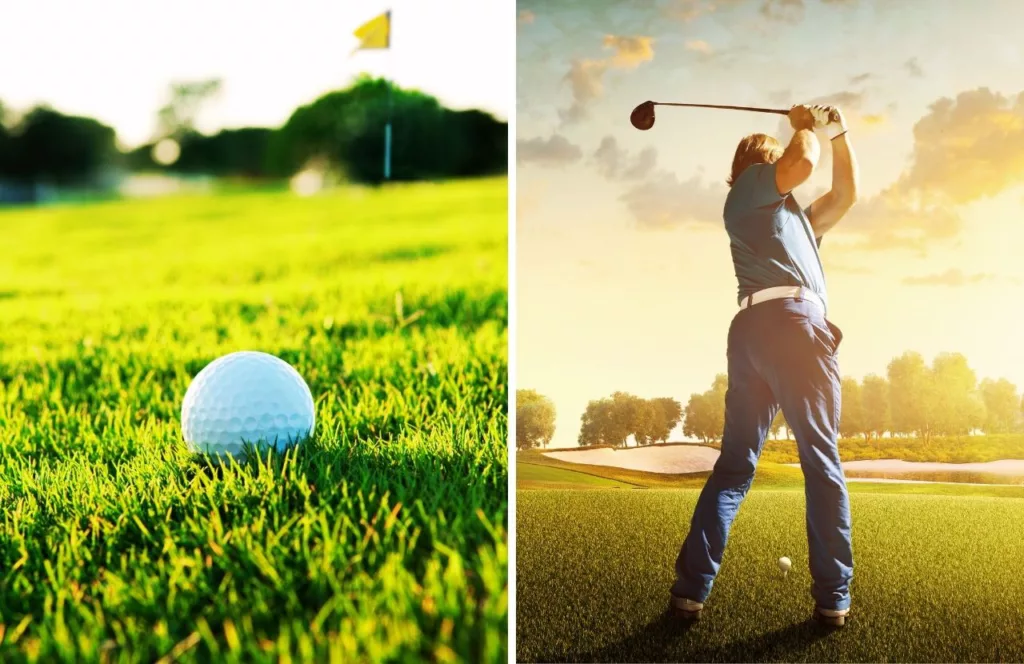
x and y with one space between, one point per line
770 235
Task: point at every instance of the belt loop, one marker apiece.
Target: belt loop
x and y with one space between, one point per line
799 293
750 300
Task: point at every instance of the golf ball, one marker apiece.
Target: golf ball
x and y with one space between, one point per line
784 565
246 397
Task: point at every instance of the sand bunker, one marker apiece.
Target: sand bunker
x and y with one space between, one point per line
671 459
1002 467
679 459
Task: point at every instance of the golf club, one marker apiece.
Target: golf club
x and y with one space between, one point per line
642 116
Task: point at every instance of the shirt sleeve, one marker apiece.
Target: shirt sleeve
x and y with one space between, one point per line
761 185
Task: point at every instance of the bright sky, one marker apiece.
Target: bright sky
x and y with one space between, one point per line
114 59
625 280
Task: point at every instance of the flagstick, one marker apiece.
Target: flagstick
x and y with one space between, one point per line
387 127
387 138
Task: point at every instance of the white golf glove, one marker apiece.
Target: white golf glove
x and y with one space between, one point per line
828 118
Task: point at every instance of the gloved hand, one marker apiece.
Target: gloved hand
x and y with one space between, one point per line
829 118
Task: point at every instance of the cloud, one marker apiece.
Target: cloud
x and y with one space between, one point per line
952 278
526 16
689 10
586 76
630 52
586 79
913 67
787 11
553 151
699 46
970 147
860 78
965 149
664 201
615 163
658 199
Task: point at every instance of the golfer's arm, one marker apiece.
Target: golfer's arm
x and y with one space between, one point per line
798 161
830 208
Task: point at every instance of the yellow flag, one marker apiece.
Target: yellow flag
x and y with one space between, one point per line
375 33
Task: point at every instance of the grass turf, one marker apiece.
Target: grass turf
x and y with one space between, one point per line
936 579
383 538
531 475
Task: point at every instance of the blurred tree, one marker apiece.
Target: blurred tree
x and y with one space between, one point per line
911 395
429 141
699 418
645 424
626 410
707 411
851 421
655 420
875 405
535 420
778 424
956 409
1001 405
594 424
670 412
177 117
48 146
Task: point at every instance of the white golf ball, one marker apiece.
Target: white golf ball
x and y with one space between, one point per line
784 564
246 397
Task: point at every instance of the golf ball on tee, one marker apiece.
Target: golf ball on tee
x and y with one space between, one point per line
246 397
784 565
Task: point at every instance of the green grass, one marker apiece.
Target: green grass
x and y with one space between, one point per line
937 578
383 538
531 475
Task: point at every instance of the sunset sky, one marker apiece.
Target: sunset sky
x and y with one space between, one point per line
625 280
114 59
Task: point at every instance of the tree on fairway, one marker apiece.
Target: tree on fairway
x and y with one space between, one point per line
178 116
626 409
655 420
957 408
851 421
1001 405
670 413
535 420
778 424
874 397
594 424
698 419
645 424
912 395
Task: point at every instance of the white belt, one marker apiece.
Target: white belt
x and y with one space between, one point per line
779 292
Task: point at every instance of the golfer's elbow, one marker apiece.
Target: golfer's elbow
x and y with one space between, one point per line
847 197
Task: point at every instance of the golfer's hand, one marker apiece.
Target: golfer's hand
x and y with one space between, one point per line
829 118
800 117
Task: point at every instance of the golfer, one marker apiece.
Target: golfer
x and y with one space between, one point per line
781 353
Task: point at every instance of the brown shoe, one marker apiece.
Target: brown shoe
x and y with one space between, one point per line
684 608
831 617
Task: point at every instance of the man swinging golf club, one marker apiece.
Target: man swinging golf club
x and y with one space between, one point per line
781 353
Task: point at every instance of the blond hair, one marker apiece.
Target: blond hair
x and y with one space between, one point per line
754 149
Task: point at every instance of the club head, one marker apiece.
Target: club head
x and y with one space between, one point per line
642 116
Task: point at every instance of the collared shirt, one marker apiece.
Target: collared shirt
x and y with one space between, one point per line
770 235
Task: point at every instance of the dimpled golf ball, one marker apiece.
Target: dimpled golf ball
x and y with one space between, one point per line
246 397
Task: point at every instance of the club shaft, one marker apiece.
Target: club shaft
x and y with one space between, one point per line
777 111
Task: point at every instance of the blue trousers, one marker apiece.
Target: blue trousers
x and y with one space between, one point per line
781 353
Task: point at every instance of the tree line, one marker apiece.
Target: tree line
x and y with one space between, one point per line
913 398
343 129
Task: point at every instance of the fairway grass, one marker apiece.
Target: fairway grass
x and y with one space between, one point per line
382 538
529 475
937 578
